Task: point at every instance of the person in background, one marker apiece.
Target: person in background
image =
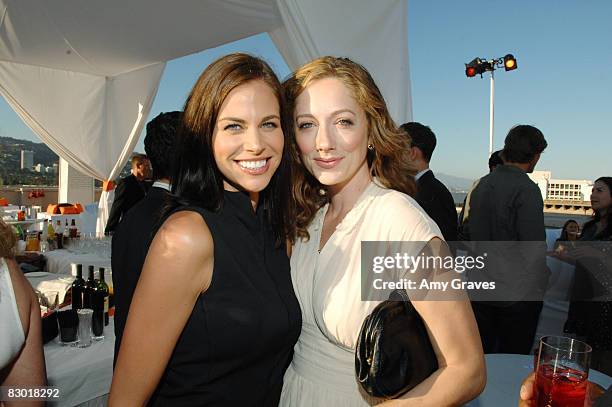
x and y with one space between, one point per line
129 191
134 233
463 232
214 318
590 312
495 160
22 362
431 194
506 206
569 233
353 183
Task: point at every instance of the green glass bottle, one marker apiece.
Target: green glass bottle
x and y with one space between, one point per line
103 292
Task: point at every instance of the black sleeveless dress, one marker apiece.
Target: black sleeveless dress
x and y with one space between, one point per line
239 339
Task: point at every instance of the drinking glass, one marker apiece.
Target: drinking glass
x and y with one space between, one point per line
562 371
85 315
32 242
68 324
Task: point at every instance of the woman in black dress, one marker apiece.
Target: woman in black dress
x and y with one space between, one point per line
214 317
590 313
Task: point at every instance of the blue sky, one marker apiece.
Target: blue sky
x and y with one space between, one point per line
563 83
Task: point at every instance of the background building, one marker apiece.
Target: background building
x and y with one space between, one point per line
562 189
27 159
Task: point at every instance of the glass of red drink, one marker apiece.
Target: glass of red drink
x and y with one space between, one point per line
562 371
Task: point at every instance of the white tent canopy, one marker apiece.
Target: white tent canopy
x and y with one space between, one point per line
83 75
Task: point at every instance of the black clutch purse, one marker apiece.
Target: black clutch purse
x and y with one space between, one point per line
394 353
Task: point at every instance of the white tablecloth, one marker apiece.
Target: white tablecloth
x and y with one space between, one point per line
82 375
59 261
505 373
45 282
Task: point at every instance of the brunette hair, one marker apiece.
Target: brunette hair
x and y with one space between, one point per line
138 159
388 159
196 179
159 142
607 232
8 239
563 236
422 137
522 144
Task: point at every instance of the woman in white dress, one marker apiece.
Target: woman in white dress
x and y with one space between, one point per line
22 363
354 185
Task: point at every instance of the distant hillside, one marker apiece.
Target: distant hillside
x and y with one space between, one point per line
453 183
10 149
10 163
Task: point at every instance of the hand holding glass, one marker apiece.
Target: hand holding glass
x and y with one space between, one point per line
562 371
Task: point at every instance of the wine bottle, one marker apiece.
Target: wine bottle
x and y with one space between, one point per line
73 230
59 235
97 304
78 286
88 289
104 292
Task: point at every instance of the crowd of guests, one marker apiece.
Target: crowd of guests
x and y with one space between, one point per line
237 277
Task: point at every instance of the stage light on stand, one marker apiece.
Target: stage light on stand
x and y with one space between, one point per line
510 62
480 66
473 68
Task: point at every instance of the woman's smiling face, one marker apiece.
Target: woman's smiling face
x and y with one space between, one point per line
331 132
248 139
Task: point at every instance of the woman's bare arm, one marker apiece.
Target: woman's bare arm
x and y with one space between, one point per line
28 368
178 268
452 328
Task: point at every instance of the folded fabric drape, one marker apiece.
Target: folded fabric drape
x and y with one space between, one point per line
84 79
97 142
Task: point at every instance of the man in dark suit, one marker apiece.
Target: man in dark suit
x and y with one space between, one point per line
134 234
129 191
432 195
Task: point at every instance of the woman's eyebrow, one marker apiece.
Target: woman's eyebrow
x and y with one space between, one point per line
270 117
232 119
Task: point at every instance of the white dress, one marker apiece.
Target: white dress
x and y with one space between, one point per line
327 285
11 331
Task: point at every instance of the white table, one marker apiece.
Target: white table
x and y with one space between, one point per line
83 376
505 373
59 261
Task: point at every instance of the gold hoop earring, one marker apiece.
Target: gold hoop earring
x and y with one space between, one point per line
370 147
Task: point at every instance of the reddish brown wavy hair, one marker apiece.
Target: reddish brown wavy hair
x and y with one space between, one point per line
388 161
7 240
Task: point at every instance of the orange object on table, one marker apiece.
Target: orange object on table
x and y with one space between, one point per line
32 242
3 202
64 209
69 210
